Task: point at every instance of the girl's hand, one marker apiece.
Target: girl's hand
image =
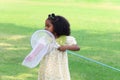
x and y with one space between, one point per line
62 48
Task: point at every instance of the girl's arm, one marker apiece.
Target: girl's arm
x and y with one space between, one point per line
69 47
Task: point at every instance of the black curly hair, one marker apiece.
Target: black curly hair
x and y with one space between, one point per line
60 24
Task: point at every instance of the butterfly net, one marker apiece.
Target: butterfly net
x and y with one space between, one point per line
42 43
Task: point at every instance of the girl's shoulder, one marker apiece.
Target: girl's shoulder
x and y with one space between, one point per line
70 37
70 40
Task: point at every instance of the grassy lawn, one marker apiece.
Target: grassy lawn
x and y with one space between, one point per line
94 23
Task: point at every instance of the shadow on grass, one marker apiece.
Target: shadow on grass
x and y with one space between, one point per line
9 28
15 45
100 46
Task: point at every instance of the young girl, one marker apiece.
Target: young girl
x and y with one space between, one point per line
54 65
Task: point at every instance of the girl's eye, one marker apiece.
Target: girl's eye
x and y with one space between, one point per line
48 26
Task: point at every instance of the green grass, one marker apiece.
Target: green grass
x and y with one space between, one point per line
94 23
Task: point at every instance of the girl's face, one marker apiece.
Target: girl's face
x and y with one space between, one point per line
49 26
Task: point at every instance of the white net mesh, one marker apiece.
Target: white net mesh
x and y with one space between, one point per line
42 42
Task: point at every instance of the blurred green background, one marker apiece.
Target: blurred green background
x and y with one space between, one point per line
94 23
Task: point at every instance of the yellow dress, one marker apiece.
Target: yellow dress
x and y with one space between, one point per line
54 66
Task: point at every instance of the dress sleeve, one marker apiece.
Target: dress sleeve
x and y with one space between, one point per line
70 40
